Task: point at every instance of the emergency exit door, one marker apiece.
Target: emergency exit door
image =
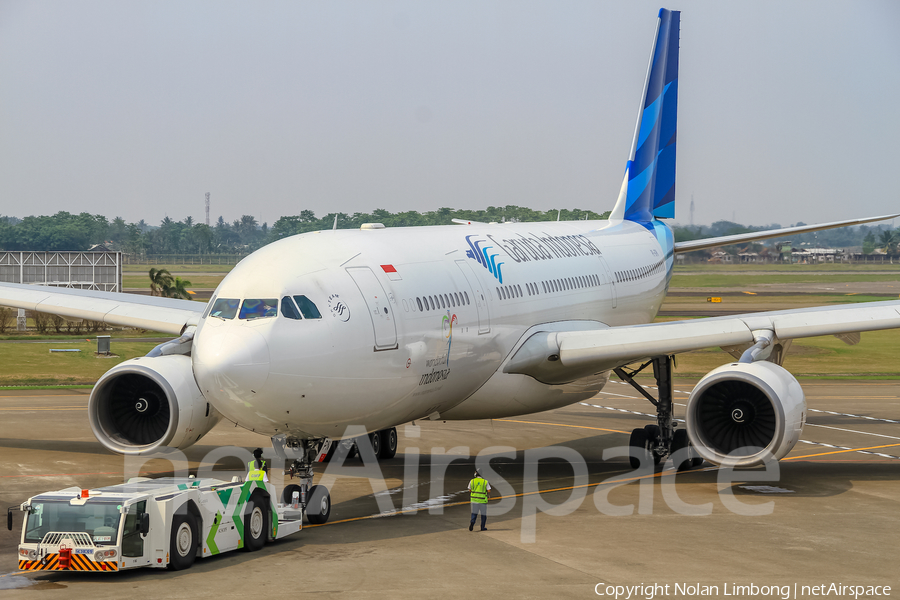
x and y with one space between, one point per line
379 307
484 317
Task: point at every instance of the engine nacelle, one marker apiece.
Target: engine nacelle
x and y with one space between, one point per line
746 410
149 402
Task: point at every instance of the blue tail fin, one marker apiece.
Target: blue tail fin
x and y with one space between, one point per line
648 190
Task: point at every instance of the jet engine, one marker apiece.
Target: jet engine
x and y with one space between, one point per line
741 413
146 403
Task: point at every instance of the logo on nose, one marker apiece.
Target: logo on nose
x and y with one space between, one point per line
338 308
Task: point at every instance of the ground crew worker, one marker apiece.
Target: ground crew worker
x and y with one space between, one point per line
479 490
258 470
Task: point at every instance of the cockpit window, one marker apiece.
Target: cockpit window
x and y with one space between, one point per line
209 306
307 307
288 309
225 308
254 308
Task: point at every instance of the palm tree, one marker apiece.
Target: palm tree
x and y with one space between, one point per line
160 281
178 289
889 242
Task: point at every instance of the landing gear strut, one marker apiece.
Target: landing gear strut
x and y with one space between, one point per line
662 439
315 499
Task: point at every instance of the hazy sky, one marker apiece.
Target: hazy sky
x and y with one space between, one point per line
137 109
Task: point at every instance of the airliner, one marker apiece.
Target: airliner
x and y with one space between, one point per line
381 326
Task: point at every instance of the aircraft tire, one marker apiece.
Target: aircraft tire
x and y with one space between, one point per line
388 443
638 441
287 494
375 440
652 435
679 442
318 505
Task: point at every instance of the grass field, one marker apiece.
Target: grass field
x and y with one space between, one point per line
780 267
875 357
178 268
720 280
34 364
200 282
29 336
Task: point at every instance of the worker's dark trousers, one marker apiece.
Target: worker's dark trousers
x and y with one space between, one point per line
476 509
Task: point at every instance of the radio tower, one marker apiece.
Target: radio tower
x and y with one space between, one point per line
692 208
207 209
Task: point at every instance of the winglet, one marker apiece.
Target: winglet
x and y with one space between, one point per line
648 189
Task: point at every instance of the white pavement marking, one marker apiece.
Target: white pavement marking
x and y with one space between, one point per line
831 412
846 448
891 437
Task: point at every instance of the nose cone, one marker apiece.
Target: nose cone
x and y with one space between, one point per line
231 363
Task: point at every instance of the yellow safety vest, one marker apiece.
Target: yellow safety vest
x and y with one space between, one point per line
478 492
256 474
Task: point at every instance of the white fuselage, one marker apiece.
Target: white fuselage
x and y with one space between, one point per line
416 322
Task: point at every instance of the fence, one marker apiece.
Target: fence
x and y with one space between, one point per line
183 259
81 270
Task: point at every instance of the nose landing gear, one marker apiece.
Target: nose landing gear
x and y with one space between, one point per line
314 499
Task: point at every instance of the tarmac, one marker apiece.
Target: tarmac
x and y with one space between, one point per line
829 516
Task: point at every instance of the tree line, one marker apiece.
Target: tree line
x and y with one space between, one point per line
70 232
65 231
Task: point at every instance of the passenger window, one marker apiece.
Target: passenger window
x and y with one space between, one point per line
452 301
466 294
288 309
447 299
225 308
431 302
255 308
419 302
441 300
307 308
458 303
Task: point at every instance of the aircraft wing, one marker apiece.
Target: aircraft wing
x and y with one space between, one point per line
771 233
168 315
620 345
562 356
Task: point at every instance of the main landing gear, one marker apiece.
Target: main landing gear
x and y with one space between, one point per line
662 439
384 445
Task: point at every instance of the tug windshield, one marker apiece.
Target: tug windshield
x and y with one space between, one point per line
100 520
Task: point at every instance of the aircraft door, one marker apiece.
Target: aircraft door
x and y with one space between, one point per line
484 317
380 310
612 280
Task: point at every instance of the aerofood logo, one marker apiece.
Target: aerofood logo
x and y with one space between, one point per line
338 308
526 248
